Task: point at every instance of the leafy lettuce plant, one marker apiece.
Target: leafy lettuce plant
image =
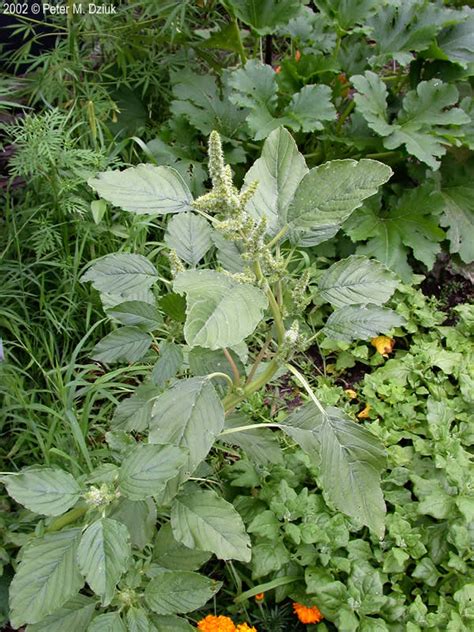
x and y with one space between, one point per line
232 258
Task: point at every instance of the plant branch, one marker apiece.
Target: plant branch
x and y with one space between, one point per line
233 366
306 386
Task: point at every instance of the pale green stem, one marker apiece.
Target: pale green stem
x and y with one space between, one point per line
306 386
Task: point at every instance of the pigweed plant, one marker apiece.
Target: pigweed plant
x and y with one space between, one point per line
234 280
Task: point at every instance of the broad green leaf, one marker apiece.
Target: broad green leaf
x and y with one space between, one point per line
140 519
269 557
188 415
189 235
75 616
176 592
361 323
137 313
121 272
328 194
357 281
203 520
134 412
221 312
171 623
457 42
168 364
46 491
350 460
371 101
309 107
144 189
347 13
125 344
109 622
260 445
46 578
278 172
148 468
458 218
265 15
137 620
103 556
207 107
171 554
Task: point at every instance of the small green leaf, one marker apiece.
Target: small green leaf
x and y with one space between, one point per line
357 281
328 194
144 189
168 364
46 578
203 520
189 235
148 468
75 615
278 172
260 445
126 344
98 208
176 592
171 624
134 412
121 272
103 556
139 516
109 622
221 312
137 313
361 323
46 491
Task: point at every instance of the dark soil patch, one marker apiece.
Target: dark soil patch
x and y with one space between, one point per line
351 377
449 287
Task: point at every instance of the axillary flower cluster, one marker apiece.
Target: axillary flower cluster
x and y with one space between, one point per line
221 623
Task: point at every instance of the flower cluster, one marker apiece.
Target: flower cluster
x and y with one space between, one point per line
307 614
220 623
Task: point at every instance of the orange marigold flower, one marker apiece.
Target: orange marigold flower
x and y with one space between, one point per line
364 413
350 392
216 624
307 614
383 344
278 69
260 597
297 55
244 627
